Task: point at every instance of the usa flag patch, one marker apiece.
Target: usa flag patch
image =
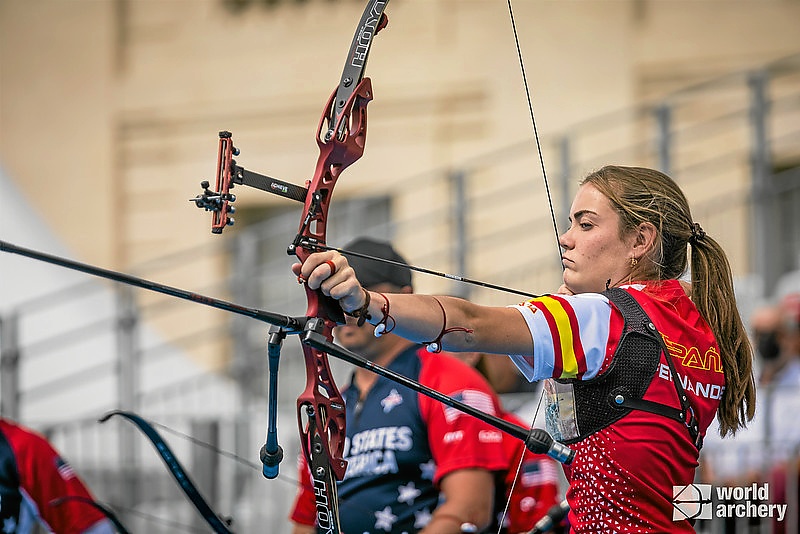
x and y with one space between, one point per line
64 469
477 399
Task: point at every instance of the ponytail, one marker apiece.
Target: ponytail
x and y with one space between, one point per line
712 293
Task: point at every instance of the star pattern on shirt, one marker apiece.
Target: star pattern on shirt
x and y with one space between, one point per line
428 469
9 525
391 401
385 519
408 493
422 518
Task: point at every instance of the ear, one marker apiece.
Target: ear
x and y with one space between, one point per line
645 237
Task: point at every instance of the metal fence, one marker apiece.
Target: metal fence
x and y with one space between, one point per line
732 143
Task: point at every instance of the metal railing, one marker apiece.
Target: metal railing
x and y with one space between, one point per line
487 219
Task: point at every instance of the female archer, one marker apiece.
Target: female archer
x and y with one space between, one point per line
640 362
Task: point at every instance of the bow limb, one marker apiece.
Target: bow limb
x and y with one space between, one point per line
176 469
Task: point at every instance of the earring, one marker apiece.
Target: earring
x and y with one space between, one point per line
633 262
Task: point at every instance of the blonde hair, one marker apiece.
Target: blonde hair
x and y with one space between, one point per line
642 195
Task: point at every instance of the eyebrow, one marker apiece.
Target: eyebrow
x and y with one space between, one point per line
581 213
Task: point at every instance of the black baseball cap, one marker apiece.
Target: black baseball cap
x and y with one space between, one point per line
372 272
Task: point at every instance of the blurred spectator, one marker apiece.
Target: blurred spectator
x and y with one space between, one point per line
534 485
784 403
764 326
776 332
38 487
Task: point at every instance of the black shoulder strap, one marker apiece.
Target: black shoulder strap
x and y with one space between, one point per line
630 308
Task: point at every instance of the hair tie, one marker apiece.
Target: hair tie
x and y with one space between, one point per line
697 233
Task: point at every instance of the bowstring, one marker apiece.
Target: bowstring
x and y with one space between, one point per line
555 230
533 124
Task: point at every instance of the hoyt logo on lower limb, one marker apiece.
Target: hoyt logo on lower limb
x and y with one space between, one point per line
698 501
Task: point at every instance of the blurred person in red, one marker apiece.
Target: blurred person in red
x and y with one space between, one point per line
531 480
38 487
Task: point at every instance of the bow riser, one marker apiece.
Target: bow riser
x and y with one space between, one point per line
341 136
322 402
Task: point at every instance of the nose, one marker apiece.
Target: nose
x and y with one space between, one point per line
565 241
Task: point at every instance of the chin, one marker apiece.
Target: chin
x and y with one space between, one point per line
579 288
573 285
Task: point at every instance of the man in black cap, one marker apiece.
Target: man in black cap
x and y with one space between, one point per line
414 464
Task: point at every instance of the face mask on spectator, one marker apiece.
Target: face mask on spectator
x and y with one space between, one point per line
767 345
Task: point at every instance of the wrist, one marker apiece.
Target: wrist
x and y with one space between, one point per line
361 313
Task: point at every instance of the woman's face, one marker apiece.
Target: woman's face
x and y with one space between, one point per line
594 253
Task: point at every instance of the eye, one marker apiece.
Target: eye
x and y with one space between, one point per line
585 225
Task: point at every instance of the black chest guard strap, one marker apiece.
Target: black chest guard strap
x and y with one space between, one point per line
603 400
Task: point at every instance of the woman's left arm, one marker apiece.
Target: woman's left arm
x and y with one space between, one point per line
460 325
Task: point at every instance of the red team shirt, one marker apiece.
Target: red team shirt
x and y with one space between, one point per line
536 488
622 478
42 476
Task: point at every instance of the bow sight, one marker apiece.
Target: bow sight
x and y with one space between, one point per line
227 176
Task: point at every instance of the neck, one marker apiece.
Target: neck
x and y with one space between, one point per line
382 352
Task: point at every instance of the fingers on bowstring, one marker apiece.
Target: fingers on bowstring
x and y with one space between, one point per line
564 290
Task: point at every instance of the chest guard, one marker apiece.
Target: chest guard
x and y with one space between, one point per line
585 407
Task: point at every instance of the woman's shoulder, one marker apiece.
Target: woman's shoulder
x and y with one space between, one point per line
669 292
669 306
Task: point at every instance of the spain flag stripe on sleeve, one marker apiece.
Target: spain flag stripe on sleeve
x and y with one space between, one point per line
562 327
558 341
577 345
570 336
